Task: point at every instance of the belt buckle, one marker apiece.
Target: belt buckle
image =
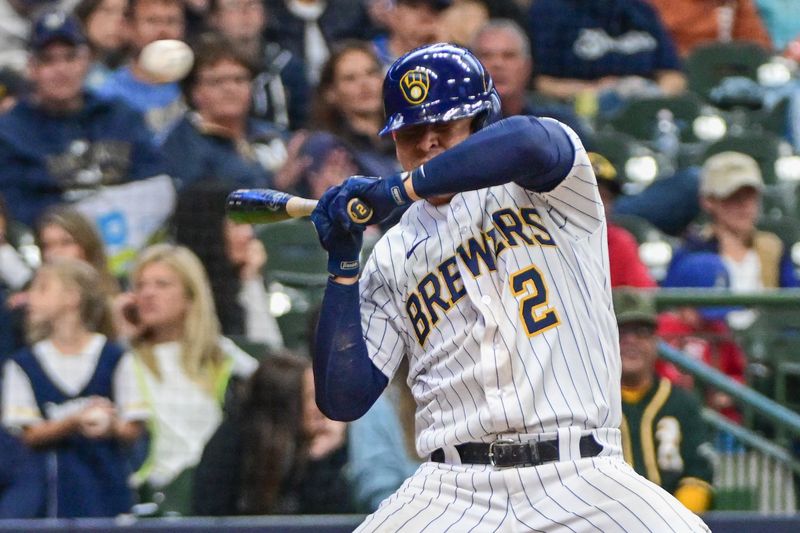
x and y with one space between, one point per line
491 449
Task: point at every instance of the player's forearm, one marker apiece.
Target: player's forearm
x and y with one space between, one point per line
536 154
346 381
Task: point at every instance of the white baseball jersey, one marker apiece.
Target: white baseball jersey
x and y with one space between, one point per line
501 300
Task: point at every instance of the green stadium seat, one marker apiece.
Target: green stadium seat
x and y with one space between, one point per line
295 257
709 64
639 118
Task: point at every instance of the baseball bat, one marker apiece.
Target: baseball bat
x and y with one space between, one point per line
264 206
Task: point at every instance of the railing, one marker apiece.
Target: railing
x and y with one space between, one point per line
757 473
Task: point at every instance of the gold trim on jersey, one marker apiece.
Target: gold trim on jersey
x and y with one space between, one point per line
646 430
627 446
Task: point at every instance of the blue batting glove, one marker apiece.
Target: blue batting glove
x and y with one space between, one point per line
342 244
383 195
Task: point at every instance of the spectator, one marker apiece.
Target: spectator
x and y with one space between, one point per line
184 367
382 449
308 28
702 332
63 232
276 454
218 141
348 103
161 103
62 143
504 49
234 259
104 25
730 194
612 49
695 22
347 107
781 19
663 436
72 394
411 23
627 270
280 89
461 21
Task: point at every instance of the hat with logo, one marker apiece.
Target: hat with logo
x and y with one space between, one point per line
56 25
605 172
631 305
726 172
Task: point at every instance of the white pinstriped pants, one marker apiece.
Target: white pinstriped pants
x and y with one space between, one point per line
600 494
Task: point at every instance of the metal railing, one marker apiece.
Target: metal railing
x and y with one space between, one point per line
758 473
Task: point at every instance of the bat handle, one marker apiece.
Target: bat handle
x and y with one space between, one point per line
359 211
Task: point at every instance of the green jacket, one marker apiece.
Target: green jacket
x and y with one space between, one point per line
664 438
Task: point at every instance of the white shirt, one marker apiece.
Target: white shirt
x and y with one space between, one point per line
70 373
522 342
184 412
745 275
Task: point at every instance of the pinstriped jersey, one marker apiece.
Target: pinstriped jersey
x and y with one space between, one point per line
501 301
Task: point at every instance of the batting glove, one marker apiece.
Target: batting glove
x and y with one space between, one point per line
383 195
343 244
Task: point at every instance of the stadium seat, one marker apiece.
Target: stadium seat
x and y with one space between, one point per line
709 64
639 118
295 257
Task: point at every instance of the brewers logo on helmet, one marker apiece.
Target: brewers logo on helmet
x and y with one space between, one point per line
415 84
438 83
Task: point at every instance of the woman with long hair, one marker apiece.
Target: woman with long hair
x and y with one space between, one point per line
184 366
276 453
63 232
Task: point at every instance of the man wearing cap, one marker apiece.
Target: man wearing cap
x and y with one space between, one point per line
626 269
663 436
60 143
505 50
730 194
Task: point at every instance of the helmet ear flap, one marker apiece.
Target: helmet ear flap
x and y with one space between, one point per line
491 115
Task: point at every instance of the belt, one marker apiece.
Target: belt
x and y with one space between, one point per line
506 452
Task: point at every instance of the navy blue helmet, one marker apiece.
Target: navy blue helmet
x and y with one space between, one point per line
438 83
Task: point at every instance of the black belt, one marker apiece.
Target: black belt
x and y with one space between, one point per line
504 452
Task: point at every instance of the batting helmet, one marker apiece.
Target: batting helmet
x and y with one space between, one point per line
438 83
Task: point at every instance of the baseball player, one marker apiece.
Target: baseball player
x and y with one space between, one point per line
495 286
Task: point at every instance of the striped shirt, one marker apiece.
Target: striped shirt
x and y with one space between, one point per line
501 300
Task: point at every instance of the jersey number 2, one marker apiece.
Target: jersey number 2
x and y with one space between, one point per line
533 311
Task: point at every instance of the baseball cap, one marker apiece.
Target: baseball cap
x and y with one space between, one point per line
702 270
632 305
726 172
605 172
55 25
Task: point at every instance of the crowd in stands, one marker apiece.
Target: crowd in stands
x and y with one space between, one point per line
131 304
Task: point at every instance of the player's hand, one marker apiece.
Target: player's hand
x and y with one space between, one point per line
383 195
343 244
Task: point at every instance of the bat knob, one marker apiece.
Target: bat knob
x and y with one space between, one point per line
359 212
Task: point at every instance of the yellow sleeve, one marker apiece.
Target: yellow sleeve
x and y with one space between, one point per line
694 494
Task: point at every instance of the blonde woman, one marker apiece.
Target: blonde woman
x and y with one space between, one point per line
183 366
